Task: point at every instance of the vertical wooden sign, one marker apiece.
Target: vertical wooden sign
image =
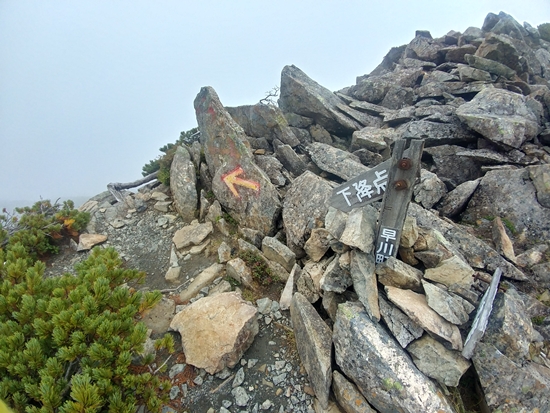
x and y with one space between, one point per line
401 179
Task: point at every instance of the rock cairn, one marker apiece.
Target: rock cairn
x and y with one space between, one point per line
380 337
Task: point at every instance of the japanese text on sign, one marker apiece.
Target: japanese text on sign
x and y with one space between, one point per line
386 244
365 191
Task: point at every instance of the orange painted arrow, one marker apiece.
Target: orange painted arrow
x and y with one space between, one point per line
231 179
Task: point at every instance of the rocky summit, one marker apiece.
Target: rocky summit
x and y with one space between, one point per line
275 297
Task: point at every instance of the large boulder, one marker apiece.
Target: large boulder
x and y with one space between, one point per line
183 179
303 96
264 121
304 209
242 188
216 331
313 339
336 161
501 116
379 367
512 195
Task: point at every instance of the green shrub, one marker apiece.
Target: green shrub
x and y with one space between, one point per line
544 30
38 227
260 270
68 343
163 163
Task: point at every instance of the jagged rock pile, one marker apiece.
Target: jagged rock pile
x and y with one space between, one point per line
480 100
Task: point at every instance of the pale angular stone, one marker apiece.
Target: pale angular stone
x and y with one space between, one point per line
396 273
237 269
317 244
409 234
360 230
401 326
502 241
390 381
202 280
416 307
435 361
276 251
336 161
532 256
216 331
335 222
364 282
455 201
430 190
288 291
158 318
214 212
427 240
540 175
222 287
224 252
173 274
451 271
193 234
347 395
314 342
87 241
162 206
452 308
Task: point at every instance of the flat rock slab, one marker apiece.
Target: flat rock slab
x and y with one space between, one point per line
348 396
380 368
416 307
205 278
183 180
401 326
216 331
87 241
192 234
314 342
336 161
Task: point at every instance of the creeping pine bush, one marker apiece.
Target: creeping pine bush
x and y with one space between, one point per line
163 163
71 343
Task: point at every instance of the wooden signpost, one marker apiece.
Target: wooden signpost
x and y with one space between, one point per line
392 180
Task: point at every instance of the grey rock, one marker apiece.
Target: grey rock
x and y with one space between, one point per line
314 342
193 234
396 273
305 204
532 256
336 161
360 231
276 251
503 243
454 202
272 167
241 396
336 278
158 318
471 74
540 175
400 325
390 382
435 361
226 151
512 195
416 307
320 134
451 307
262 120
423 48
238 270
239 378
224 252
290 159
317 244
373 139
510 386
489 66
205 278
509 328
456 54
183 179
335 222
451 168
500 116
173 274
500 49
409 233
364 282
347 395
476 252
435 133
430 189
301 95
452 271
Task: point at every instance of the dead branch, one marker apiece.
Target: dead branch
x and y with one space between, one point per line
115 188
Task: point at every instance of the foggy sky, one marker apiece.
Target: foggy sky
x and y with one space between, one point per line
90 90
